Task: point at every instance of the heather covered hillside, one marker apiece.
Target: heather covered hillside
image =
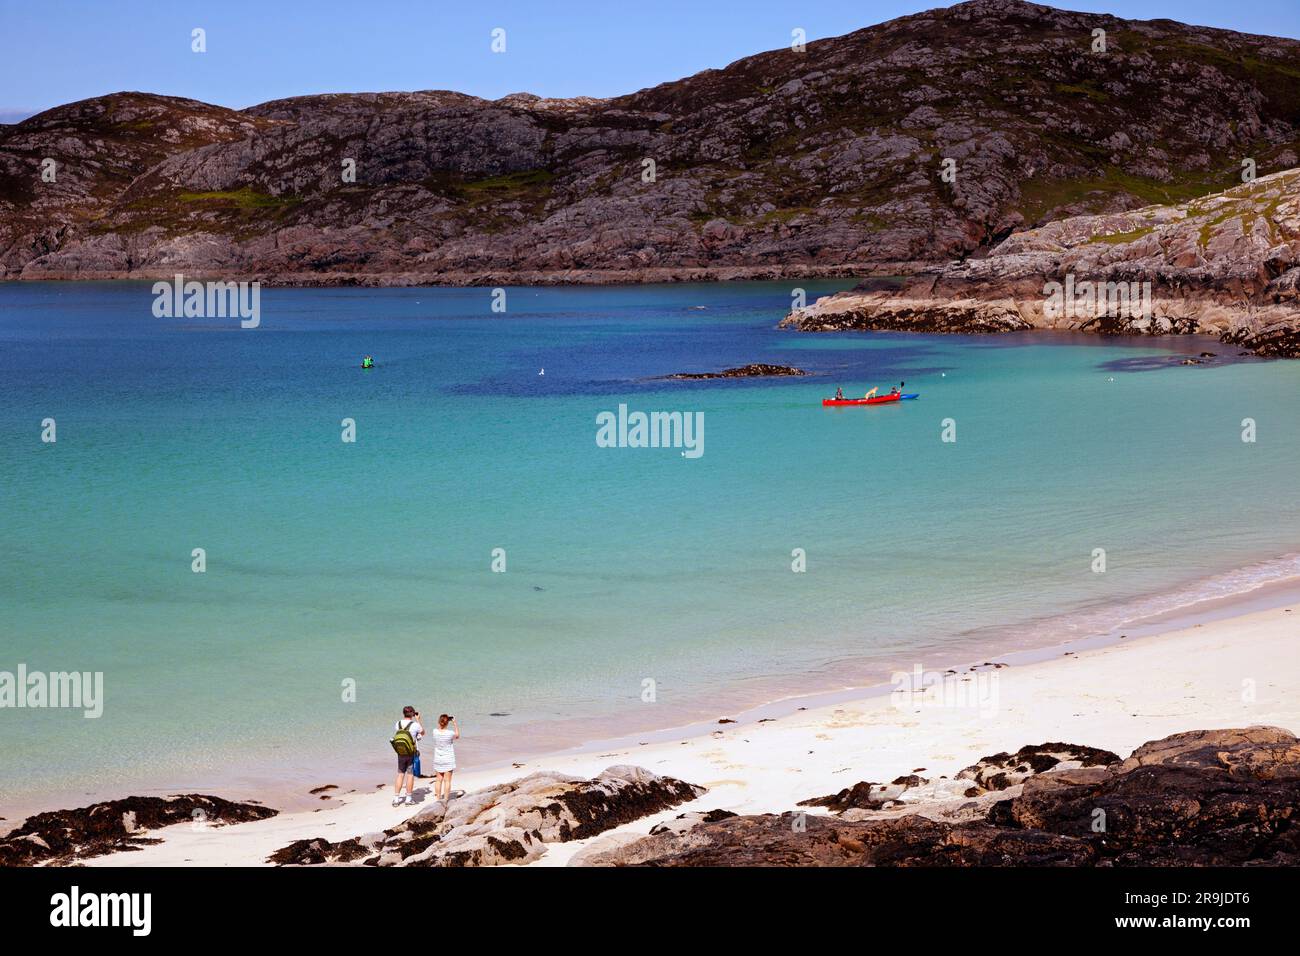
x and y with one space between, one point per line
828 159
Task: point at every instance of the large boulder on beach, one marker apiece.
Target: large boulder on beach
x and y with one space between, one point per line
1266 753
996 773
507 823
1003 770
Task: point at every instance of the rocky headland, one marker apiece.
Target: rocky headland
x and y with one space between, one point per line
1226 265
827 160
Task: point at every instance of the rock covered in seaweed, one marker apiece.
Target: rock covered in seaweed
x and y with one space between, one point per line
1202 798
64 836
755 370
507 823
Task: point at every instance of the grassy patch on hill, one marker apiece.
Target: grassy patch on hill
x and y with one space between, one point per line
1083 89
507 184
238 213
495 203
1038 197
243 199
1118 238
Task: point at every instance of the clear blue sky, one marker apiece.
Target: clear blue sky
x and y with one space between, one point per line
57 51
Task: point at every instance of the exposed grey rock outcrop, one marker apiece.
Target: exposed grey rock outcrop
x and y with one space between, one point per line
990 774
508 823
1226 265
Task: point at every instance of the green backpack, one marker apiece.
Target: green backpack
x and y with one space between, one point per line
403 741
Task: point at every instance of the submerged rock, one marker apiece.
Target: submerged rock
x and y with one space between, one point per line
745 371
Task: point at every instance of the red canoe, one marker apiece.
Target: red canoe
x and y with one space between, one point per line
879 400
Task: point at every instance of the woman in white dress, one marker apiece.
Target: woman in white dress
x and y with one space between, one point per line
444 755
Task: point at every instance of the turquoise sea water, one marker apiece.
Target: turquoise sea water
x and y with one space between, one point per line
371 562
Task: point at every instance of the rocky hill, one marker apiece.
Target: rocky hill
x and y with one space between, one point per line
1226 264
822 161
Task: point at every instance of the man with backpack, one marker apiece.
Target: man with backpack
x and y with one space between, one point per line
407 733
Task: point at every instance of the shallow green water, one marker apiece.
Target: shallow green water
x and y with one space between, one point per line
371 561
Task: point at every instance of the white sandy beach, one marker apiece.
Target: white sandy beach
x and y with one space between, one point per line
1232 672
